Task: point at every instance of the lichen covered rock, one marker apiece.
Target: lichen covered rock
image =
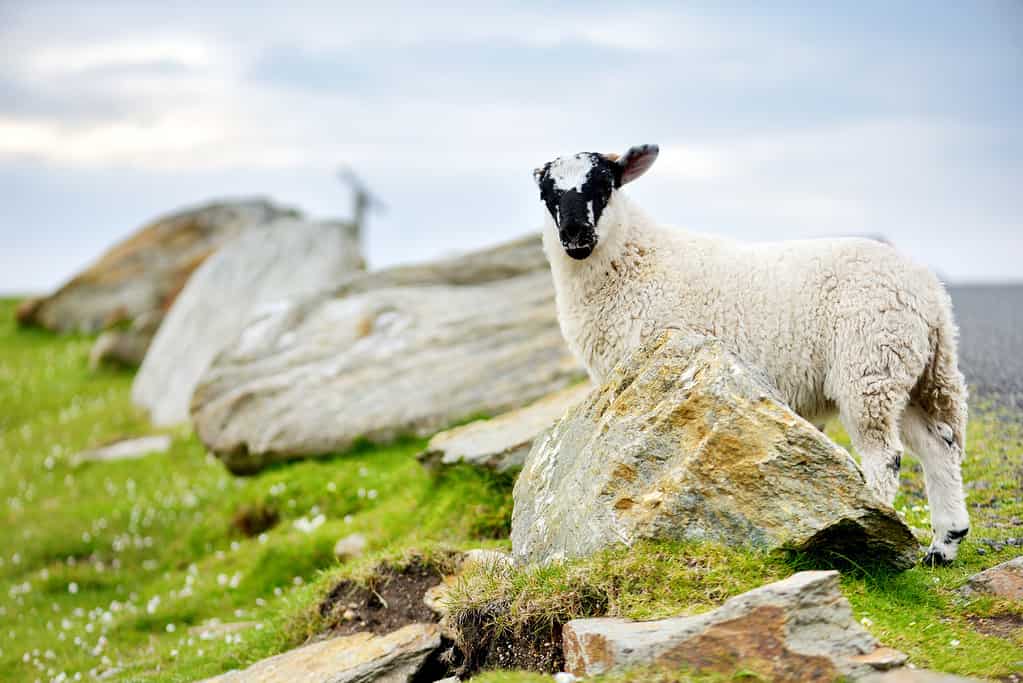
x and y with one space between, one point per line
684 441
798 629
142 274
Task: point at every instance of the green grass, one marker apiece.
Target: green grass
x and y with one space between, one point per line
107 566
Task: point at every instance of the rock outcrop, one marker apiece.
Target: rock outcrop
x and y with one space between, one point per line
395 658
686 442
142 274
406 351
502 443
269 264
798 629
1004 581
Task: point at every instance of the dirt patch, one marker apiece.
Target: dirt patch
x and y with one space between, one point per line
253 520
392 598
1002 625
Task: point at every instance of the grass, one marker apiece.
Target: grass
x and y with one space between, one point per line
106 567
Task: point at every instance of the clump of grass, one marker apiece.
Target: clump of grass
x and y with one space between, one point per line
526 607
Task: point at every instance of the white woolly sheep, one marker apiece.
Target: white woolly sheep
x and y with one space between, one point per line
839 325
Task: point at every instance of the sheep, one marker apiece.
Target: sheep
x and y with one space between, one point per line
846 326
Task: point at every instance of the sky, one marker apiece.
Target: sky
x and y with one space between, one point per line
775 120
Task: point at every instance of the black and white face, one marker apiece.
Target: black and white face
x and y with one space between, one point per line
576 190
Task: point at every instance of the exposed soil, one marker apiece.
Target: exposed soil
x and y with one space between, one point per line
391 600
253 520
1001 625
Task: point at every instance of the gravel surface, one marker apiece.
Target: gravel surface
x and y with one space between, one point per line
990 319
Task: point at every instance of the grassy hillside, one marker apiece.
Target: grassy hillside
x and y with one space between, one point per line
109 567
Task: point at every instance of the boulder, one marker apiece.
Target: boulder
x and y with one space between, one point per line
798 629
684 441
1003 581
503 442
394 658
142 274
407 351
286 258
350 547
125 449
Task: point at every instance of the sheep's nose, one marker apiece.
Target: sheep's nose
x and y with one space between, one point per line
573 230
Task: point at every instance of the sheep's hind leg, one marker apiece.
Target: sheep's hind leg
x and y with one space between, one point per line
933 442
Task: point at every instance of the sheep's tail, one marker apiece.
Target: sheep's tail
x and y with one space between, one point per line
941 391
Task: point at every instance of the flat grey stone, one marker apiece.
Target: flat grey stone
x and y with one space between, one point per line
359 658
503 442
125 449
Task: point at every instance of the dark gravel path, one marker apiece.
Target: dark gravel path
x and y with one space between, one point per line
990 319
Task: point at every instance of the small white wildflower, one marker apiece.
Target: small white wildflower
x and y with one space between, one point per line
170 628
72 588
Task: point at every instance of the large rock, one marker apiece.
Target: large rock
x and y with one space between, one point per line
503 442
1004 581
142 274
288 258
798 629
405 351
359 658
686 442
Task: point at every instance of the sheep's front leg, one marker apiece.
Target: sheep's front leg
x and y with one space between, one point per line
881 465
873 430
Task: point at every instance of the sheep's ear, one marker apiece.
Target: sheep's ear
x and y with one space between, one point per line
538 174
637 161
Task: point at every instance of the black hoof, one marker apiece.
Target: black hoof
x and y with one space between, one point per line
935 558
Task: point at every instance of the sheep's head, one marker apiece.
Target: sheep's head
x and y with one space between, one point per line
577 189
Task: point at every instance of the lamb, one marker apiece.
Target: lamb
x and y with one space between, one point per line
846 326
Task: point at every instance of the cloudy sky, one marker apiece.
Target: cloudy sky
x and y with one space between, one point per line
903 119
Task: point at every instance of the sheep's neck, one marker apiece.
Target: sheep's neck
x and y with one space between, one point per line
627 257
